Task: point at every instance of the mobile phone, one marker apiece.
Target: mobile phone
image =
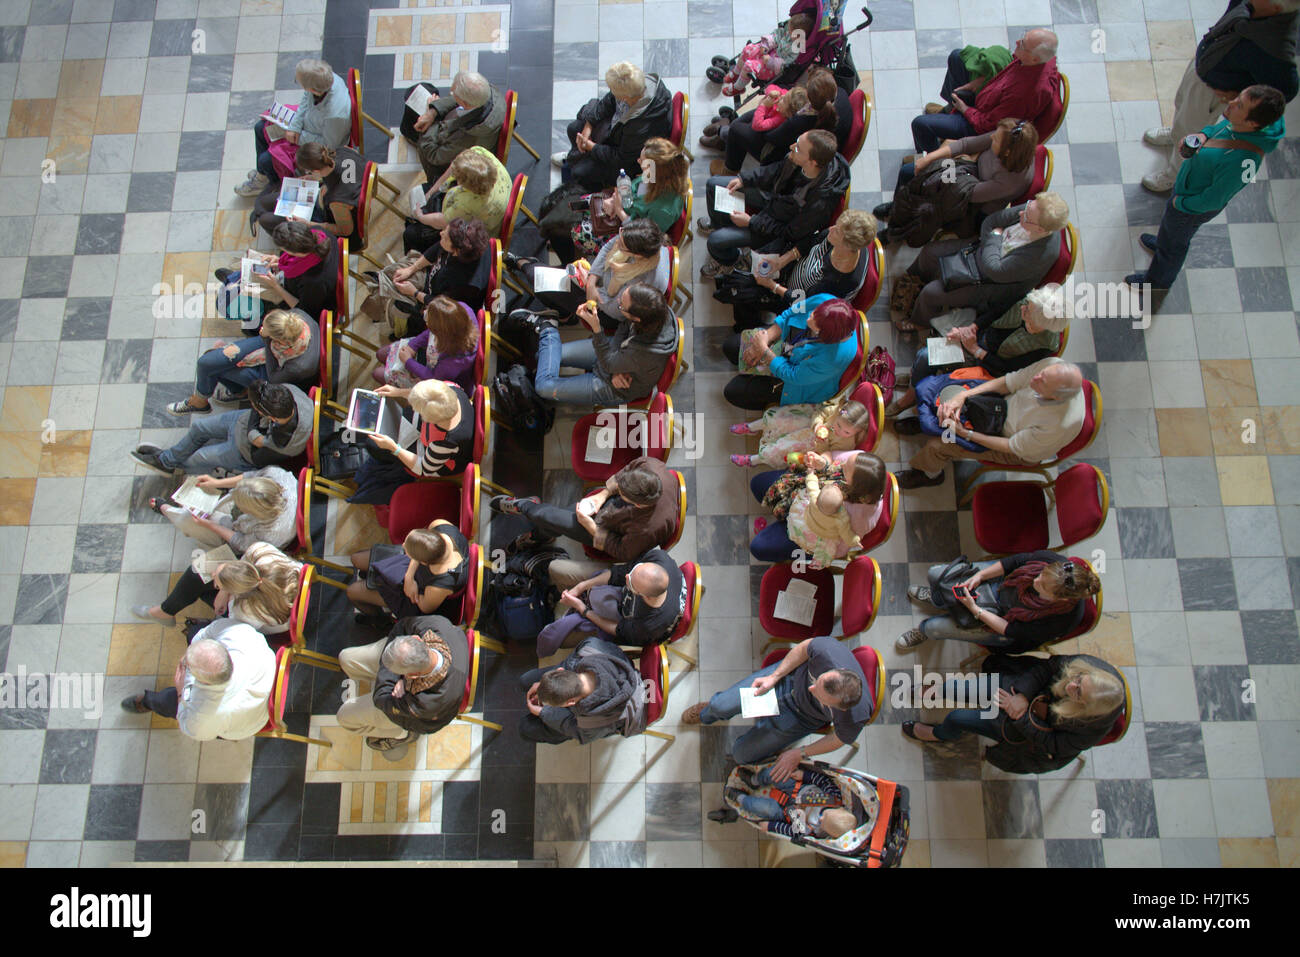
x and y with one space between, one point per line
960 591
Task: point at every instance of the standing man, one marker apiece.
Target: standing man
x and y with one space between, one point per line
1227 156
1253 43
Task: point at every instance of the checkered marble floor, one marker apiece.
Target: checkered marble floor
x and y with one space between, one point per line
148 133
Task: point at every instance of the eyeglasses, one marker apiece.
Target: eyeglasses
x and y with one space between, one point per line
1019 128
1067 574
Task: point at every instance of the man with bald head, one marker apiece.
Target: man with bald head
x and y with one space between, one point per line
1025 90
223 683
652 600
1045 411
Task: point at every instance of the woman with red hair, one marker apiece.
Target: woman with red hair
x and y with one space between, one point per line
799 358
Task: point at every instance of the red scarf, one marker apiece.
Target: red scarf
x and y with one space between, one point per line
295 264
1031 604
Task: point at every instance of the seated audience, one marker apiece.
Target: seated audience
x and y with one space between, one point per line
267 503
807 804
275 430
471 116
823 507
460 268
1045 410
792 199
827 108
818 683
222 685
324 115
475 187
446 349
341 173
303 276
1016 249
788 430
417 673
610 131
1026 601
834 264
286 349
818 342
1029 88
430 567
1050 710
594 693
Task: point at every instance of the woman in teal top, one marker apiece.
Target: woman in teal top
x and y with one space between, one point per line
658 194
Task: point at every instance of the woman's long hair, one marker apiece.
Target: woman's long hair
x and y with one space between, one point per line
671 170
1106 697
301 238
822 91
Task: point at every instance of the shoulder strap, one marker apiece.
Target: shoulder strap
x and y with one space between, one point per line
1219 144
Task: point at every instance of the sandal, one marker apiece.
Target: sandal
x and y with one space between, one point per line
760 523
741 428
742 460
157 505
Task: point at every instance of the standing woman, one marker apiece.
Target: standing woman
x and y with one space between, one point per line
340 173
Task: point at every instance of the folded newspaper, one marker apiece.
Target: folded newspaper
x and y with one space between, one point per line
297 198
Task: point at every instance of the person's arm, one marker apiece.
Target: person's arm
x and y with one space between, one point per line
273 291
994 364
413 365
431 598
343 220
761 177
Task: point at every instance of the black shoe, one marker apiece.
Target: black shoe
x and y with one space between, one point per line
909 426
150 460
374 619
746 777
726 815
223 275
1148 241
883 211
134 704
516 263
726 112
915 478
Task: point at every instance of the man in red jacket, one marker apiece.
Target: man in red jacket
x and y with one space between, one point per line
1025 90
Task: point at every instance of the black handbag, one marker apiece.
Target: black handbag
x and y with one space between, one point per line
960 269
985 413
954 573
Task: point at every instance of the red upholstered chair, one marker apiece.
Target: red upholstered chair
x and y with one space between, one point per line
678 234
513 207
416 504
509 131
472 596
868 393
873 670
681 120
888 519
653 664
298 623
483 357
1042 175
357 130
861 598
694 579
842 205
1051 119
1012 517
775 580
342 295
279 698
655 431
853 373
1067 257
476 644
861 108
870 291
1120 727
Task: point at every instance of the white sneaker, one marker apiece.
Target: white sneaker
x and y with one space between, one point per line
1161 182
1159 136
557 159
252 186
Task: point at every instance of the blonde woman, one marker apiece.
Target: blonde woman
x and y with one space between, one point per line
415 579
475 187
610 131
806 427
1050 710
260 589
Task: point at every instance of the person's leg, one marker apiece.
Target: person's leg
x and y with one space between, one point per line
188 589
360 716
214 366
555 520
935 300
203 430
936 453
753 392
945 628
956 76
221 453
1196 106
573 129
926 264
533 728
764 808
264 208
1172 242
742 140
726 704
906 173
578 354
164 703
760 483
731 349
967 721
718 219
569 390
567 572
773 544
929 130
770 736
361 662
726 243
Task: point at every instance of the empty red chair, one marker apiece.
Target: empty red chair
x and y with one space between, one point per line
1012 517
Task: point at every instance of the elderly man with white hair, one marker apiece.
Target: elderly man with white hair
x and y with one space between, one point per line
1044 412
610 130
324 116
223 684
471 116
418 675
1026 89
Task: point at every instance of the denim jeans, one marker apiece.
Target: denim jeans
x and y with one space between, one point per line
945 627
929 130
588 389
728 239
214 367
209 444
265 165
769 736
762 806
1176 231
967 721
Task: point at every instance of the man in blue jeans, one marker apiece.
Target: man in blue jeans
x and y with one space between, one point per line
1227 156
818 683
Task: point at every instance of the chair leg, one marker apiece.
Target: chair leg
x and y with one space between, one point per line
379 178
479 721
334 566
529 213
524 143
661 734
513 284
376 124
301 739
507 347
491 644
499 489
684 656
316 659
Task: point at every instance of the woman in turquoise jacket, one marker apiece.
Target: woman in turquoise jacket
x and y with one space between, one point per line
818 335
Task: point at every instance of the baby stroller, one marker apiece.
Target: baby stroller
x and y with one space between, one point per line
827 46
881 807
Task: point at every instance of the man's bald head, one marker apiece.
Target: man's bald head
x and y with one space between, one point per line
648 580
209 662
1040 46
1060 380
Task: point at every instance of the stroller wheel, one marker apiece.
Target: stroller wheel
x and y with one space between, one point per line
726 815
715 74
722 62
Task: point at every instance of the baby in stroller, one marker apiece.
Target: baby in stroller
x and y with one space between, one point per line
765 58
808 803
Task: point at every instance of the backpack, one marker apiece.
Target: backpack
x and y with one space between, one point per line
522 597
516 402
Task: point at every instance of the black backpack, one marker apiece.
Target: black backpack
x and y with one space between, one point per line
517 404
521 598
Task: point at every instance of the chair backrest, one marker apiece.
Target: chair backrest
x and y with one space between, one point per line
298 612
1082 502
862 589
1050 120
1042 175
681 509
861 108
368 177
873 669
507 127
356 132
854 372
653 665
842 205
1065 259
469 607
869 394
471 494
673 367
482 421
694 579
888 517
512 209
674 262
681 118
342 305
471 680
1091 422
1065 341
279 697
326 367
302 520
484 352
677 231
870 291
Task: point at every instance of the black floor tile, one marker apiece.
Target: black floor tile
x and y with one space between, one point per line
162 850
113 812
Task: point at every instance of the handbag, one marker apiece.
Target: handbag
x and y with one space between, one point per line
960 269
954 573
604 221
985 413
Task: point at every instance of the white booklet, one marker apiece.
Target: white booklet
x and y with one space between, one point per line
600 445
419 99
797 602
550 279
205 564
753 705
197 500
297 198
417 197
941 352
280 114
727 202
252 264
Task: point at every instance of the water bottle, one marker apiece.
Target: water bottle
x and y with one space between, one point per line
624 188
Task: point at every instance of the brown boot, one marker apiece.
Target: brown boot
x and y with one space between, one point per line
692 714
932 108
719 168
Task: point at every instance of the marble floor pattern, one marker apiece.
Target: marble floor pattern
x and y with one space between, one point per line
1200 444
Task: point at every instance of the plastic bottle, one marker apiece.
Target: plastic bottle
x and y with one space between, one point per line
624 188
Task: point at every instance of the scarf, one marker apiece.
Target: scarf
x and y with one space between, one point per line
436 676
295 264
1031 604
623 268
284 352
